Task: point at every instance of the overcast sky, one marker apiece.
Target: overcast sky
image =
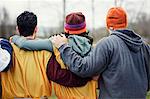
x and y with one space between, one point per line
50 12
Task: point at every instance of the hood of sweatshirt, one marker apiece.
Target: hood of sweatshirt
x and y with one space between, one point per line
132 39
80 44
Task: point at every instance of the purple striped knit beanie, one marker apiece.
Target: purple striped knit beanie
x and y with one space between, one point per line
75 23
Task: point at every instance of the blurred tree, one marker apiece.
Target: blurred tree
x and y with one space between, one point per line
45 32
99 33
142 25
5 27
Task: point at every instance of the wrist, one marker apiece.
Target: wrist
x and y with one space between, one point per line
60 44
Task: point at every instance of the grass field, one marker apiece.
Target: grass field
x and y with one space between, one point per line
54 97
148 95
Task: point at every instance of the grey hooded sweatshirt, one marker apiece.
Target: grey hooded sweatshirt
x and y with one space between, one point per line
119 60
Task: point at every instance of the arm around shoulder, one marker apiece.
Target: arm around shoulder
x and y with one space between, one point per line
90 65
35 44
63 76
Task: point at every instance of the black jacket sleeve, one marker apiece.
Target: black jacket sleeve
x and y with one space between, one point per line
63 76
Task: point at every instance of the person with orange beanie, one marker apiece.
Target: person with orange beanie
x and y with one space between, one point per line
120 59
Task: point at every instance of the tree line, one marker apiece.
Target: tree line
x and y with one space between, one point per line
141 26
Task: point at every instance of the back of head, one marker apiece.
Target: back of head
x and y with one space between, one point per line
75 23
116 18
26 22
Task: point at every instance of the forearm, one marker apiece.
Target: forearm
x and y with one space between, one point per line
35 44
87 66
76 63
63 76
38 44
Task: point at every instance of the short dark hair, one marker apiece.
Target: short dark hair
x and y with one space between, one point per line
26 22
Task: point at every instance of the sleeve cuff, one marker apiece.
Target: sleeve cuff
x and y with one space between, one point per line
62 47
14 38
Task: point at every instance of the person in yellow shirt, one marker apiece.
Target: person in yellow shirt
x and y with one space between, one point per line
66 85
27 76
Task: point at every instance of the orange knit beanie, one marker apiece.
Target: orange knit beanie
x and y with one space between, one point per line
116 18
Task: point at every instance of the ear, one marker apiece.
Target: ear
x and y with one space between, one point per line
35 30
17 30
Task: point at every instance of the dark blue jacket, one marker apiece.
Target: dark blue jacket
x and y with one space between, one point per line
119 60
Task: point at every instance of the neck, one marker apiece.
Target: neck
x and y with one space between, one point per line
30 37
